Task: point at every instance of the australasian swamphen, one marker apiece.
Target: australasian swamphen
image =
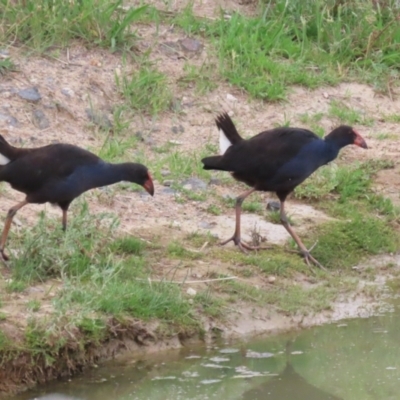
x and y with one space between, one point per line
58 173
276 160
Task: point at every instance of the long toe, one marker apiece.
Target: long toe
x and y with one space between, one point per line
309 258
4 256
244 247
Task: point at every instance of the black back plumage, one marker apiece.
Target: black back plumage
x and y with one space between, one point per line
277 159
30 169
58 173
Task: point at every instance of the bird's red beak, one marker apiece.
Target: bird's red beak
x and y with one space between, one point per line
359 140
149 186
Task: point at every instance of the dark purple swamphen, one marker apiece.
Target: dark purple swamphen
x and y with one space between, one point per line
58 173
276 160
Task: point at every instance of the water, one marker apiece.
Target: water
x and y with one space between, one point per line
351 360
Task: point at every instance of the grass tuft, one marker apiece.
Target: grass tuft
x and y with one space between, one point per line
343 244
145 90
40 25
308 43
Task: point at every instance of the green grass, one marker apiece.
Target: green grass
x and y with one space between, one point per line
114 148
287 298
128 245
395 118
79 249
346 181
33 305
211 304
309 43
347 115
343 244
6 65
40 25
201 78
145 90
176 250
142 300
180 164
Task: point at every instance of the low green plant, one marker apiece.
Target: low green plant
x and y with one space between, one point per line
33 305
145 90
6 65
46 251
350 181
114 148
348 115
128 245
342 244
202 78
307 43
211 305
394 118
253 207
176 250
40 25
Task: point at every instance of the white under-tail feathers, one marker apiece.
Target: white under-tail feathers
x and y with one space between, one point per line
224 142
4 160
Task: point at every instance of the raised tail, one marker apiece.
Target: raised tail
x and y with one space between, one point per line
228 134
212 162
7 152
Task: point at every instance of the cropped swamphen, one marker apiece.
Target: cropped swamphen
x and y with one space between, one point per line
276 160
58 173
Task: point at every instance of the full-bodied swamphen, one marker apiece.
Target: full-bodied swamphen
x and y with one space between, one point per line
58 173
276 160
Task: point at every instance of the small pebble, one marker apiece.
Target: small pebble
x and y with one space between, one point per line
67 92
176 142
31 94
168 182
194 184
273 205
191 45
205 225
231 98
215 181
139 135
40 120
8 119
191 292
98 118
168 190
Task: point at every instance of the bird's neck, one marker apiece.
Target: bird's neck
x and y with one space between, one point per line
112 173
337 142
332 148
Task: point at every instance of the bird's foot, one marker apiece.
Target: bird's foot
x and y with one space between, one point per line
4 255
4 259
308 258
244 247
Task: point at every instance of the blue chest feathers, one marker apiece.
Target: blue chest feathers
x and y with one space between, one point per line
308 159
82 179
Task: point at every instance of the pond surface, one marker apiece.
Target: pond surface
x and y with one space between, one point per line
351 360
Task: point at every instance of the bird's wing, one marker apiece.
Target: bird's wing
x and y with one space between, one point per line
266 153
40 165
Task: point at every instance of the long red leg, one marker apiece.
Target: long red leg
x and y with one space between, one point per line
11 213
236 236
64 219
303 250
